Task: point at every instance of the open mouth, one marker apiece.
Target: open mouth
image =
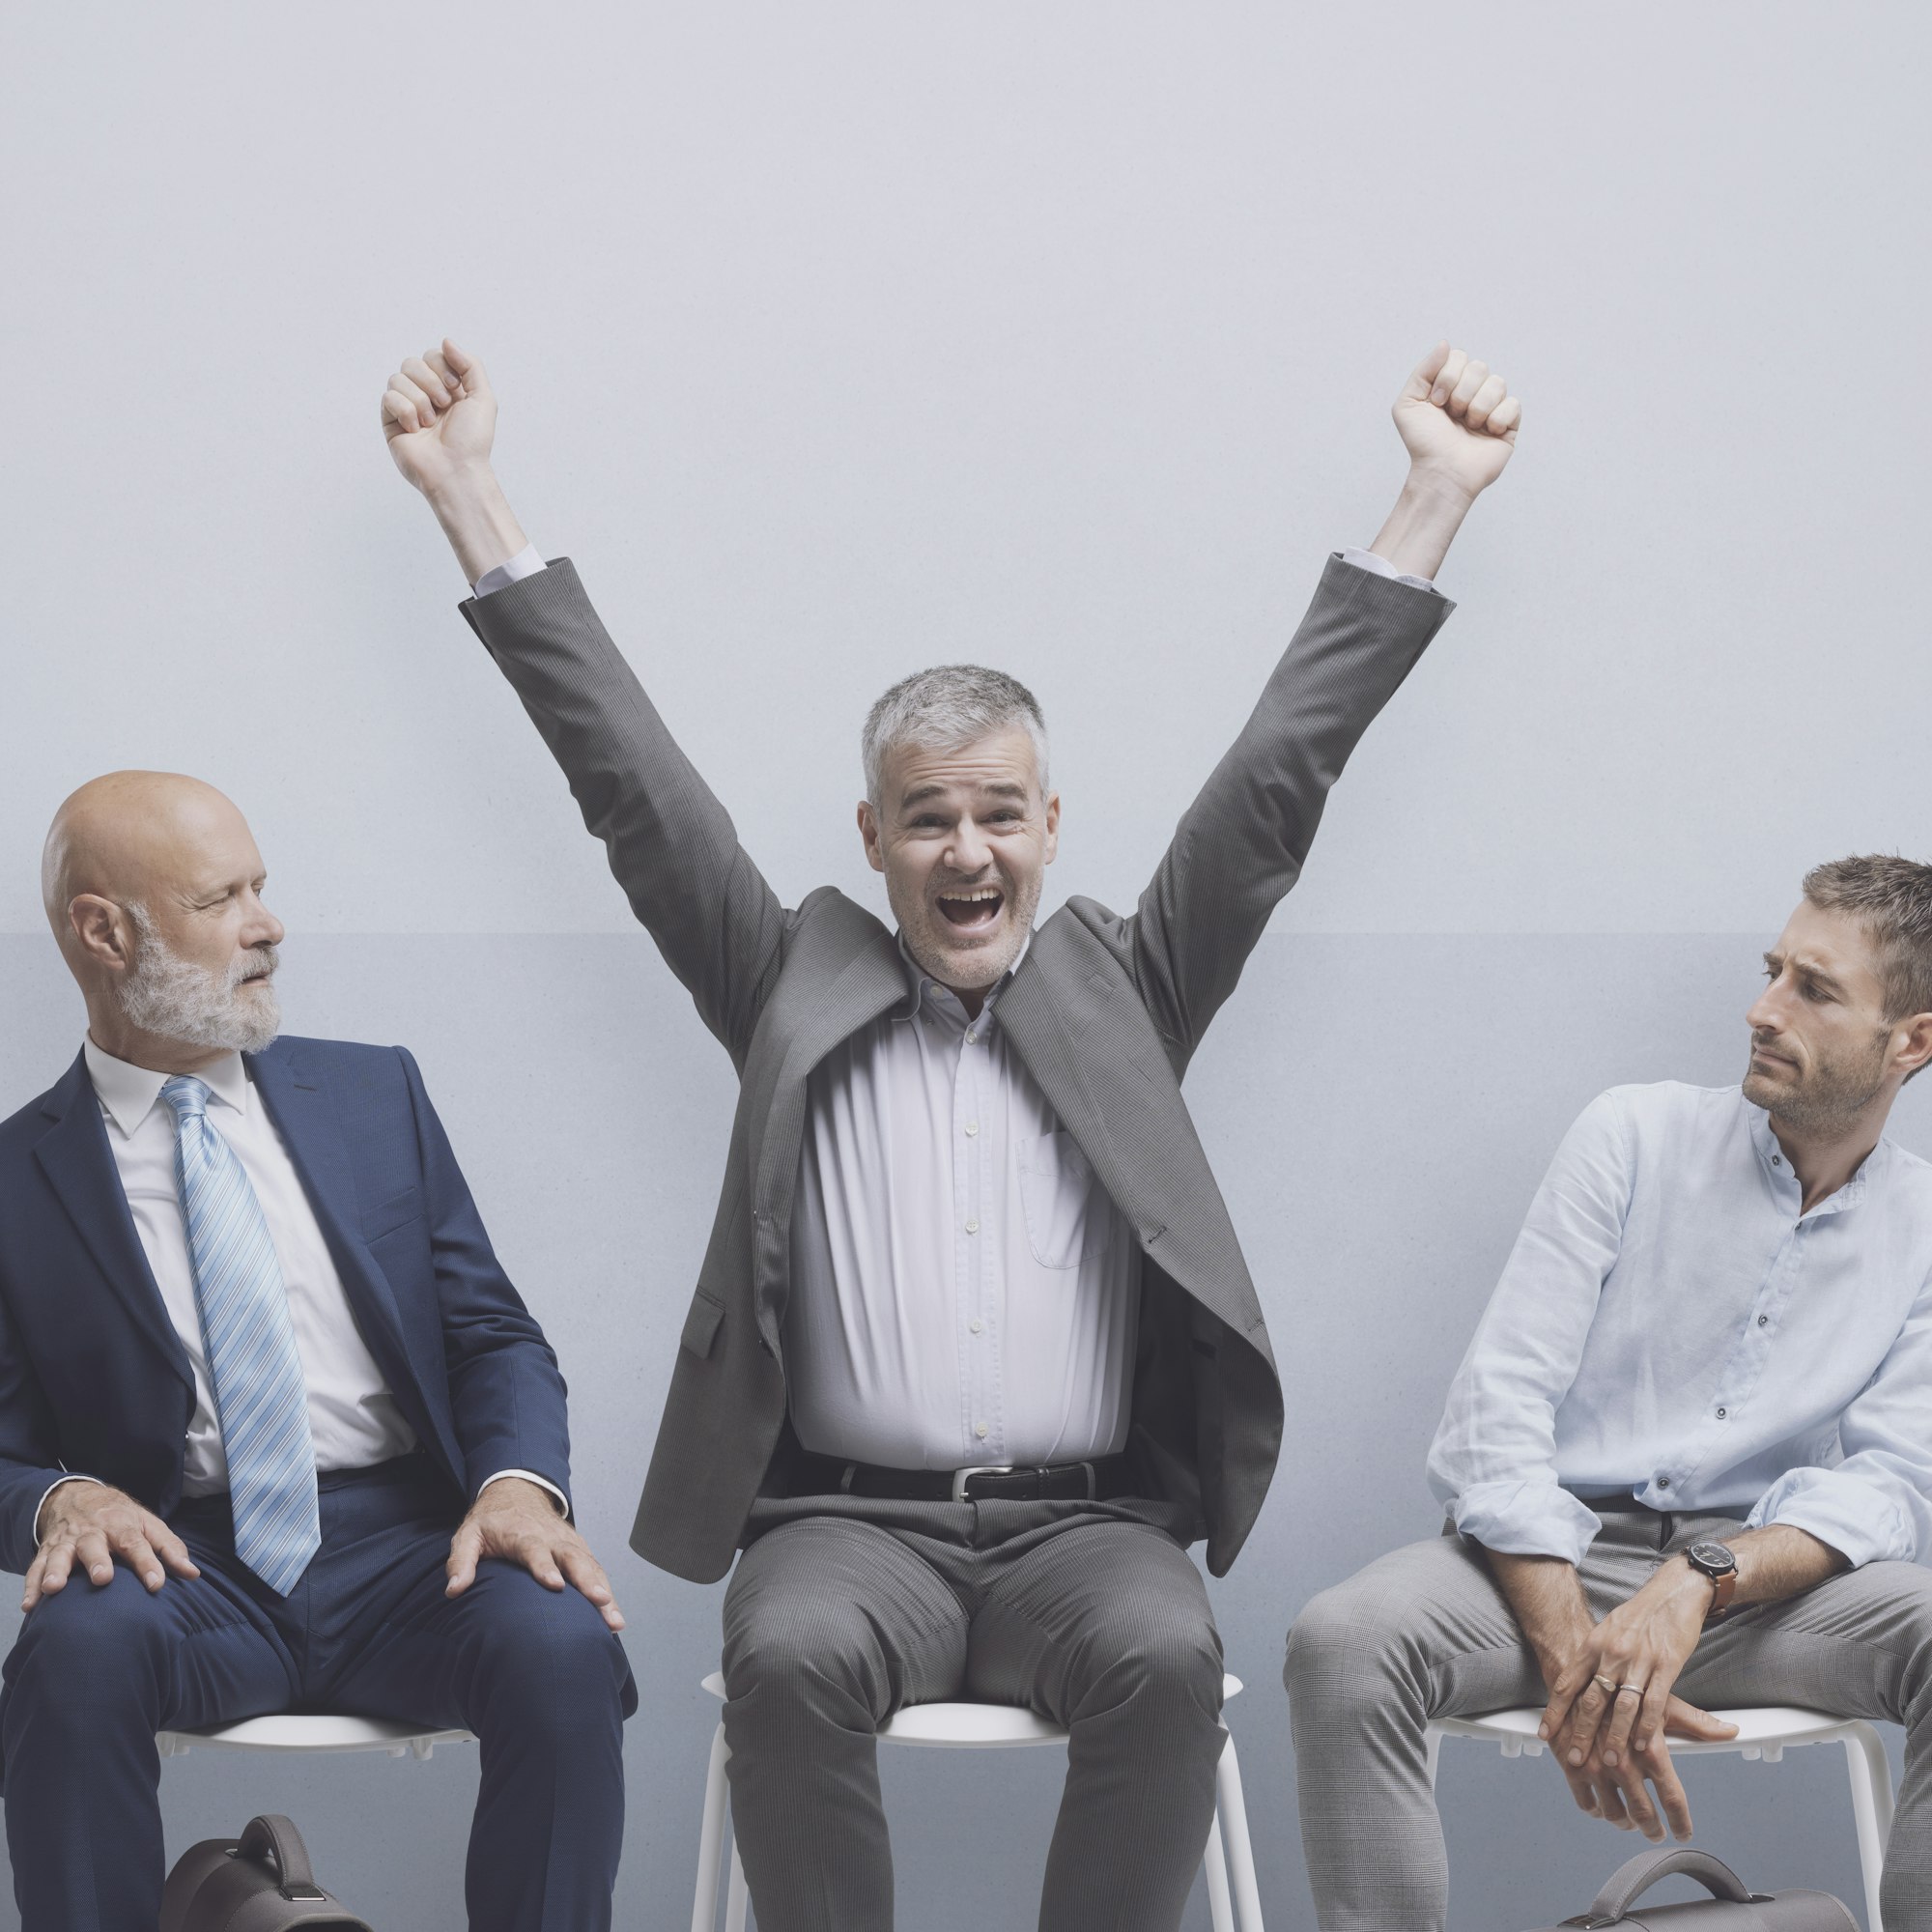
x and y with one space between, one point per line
971 908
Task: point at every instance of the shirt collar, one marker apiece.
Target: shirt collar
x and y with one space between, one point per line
1777 1165
922 980
128 1092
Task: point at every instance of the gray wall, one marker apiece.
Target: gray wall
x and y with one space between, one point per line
837 338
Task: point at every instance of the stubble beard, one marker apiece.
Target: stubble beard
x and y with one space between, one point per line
1832 1094
927 934
177 1000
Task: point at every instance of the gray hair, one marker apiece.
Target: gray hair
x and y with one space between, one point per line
1892 898
947 707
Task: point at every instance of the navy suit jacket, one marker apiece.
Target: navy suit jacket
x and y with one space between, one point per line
93 1377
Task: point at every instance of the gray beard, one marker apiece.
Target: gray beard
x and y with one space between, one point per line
175 999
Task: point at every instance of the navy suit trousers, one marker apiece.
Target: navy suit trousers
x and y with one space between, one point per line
96 1672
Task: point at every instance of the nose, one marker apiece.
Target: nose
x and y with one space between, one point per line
1762 1016
970 850
264 928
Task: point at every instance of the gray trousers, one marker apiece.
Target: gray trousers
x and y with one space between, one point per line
1424 1632
1092 1616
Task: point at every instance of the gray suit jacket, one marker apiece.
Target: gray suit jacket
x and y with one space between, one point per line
1105 1013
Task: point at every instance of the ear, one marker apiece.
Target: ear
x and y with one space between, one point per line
1052 828
1915 1043
102 930
868 830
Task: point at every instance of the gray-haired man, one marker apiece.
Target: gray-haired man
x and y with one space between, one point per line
1690 1450
973 1354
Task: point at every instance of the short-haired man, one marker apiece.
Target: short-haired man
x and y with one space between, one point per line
275 1431
973 1354
1689 1454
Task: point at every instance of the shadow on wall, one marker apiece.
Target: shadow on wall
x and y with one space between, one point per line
1378 1109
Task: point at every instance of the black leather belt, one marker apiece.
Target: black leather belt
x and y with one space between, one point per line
1062 1482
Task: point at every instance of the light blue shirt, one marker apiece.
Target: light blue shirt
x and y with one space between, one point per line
1671 1326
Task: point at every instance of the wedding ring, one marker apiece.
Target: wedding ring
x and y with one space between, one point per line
1635 1689
1608 1683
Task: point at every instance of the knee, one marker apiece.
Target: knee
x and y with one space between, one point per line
1167 1655
91 1645
547 1654
814 1650
1350 1634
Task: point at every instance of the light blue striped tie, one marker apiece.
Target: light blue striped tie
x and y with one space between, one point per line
260 1393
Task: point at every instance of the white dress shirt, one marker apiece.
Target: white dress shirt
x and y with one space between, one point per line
352 1418
1672 1327
963 1290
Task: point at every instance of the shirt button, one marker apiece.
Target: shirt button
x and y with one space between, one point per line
971 1227
1663 1482
1777 1161
976 1327
1720 1416
1764 1321
971 1037
981 1432
972 1126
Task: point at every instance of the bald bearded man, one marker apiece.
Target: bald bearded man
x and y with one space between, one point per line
275 1430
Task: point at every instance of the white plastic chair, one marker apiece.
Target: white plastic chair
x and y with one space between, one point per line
1763 1733
1233 1898
292 1731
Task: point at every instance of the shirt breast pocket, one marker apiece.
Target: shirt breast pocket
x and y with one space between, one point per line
1059 1196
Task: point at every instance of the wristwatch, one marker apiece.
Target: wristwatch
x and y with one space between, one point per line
1714 1560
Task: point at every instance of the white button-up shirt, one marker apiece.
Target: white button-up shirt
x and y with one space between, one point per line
962 1288
1674 1326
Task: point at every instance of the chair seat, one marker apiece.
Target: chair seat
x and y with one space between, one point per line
1761 1727
305 1731
973 1726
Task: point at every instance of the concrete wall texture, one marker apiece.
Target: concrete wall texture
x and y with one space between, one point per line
836 339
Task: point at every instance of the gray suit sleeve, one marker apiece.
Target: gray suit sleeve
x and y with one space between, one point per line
671 844
1240 846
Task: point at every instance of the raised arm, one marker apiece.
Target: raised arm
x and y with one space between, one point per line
1240 846
671 844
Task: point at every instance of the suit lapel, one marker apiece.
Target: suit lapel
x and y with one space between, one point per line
79 1166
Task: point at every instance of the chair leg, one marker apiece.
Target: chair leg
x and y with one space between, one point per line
1871 1773
1215 1869
1234 1822
739 1896
710 1840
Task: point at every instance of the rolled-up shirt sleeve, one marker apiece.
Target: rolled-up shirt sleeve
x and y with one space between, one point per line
1494 1460
1876 1504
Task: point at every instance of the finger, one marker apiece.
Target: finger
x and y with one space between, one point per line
407 384
1447 377
399 410
1586 1715
1466 385
588 1574
427 381
30 1589
59 1558
137 1552
1422 377
1647 1728
170 1549
1582 1791
1669 1788
464 1547
1506 418
1563 1694
1687 1720
469 370
1617 1726
1635 1794
535 1557
91 1554
1609 1800
447 376
1488 397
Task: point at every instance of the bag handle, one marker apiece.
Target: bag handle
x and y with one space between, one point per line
1630 1882
271 1837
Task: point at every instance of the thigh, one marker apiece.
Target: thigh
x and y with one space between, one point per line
832 1594
1076 1607
1847 1645
1428 1616
196 1653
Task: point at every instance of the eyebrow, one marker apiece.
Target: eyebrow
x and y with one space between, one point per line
1815 974
999 788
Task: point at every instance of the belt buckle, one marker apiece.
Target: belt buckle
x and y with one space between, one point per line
960 1477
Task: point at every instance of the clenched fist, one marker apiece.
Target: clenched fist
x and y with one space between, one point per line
1456 419
440 416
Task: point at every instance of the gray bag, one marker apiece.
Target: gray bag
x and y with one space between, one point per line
1731 1907
257 1883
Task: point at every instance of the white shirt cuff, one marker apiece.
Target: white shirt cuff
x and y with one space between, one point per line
49 1490
1362 559
527 562
527 1475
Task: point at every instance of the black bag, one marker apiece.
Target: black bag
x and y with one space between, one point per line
257 1883
1732 1907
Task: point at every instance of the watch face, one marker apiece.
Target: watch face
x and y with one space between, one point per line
1715 1559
